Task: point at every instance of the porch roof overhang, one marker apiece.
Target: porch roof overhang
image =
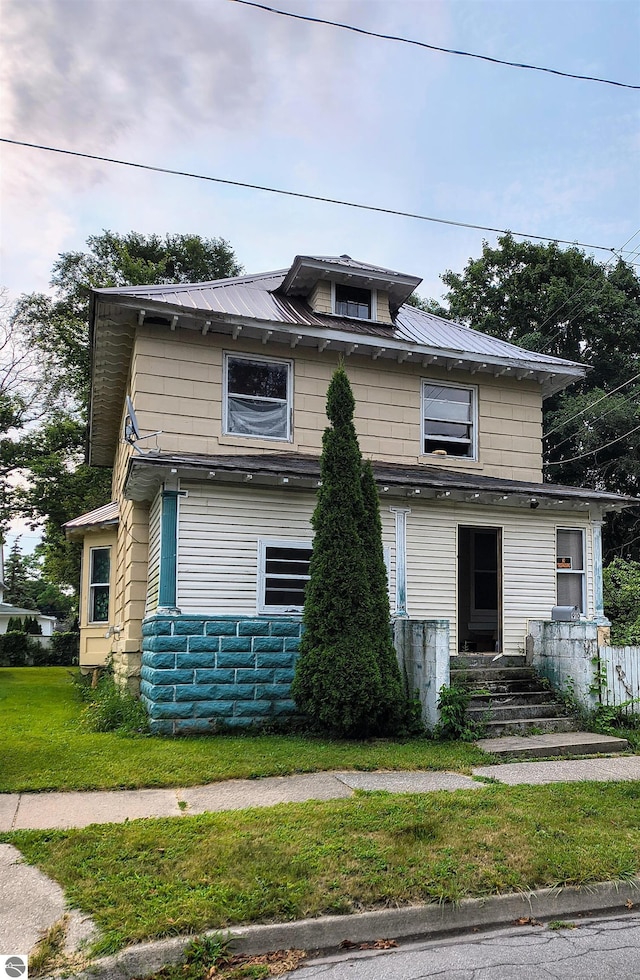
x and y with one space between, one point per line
95 520
419 481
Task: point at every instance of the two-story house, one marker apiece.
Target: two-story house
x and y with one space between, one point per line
209 401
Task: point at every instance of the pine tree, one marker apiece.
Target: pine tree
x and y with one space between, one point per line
343 678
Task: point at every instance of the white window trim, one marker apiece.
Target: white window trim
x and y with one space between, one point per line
98 585
225 393
574 571
474 418
374 305
263 544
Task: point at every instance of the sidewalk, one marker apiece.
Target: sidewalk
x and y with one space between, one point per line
30 903
61 811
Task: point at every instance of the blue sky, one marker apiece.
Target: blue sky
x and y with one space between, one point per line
217 88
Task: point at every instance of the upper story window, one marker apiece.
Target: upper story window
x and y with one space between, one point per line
570 567
352 301
449 419
99 580
257 397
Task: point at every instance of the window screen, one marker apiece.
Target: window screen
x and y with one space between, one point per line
570 567
285 576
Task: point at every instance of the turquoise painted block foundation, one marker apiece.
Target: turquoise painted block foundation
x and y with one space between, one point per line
202 674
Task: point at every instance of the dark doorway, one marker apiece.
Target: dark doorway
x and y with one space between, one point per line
479 589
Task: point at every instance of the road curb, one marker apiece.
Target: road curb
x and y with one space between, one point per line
327 932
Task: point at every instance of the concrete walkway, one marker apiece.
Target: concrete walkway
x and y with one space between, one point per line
44 811
30 903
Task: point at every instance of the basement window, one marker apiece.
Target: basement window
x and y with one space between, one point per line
257 397
283 573
449 419
570 570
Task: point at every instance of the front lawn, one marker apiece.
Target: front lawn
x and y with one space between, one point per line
152 878
44 747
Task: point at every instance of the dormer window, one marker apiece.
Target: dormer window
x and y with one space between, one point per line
352 301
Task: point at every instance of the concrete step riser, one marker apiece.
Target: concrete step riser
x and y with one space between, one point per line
483 675
524 727
517 712
488 663
501 699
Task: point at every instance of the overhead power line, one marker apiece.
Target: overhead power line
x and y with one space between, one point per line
591 452
607 394
430 47
306 197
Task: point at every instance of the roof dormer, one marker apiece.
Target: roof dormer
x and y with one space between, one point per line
340 286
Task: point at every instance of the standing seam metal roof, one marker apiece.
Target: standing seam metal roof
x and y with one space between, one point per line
255 297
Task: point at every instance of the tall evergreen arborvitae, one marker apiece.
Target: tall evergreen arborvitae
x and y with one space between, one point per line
393 704
343 679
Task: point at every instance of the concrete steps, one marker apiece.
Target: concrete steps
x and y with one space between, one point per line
553 744
509 698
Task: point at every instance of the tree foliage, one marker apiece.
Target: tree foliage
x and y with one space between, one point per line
343 679
622 600
565 303
56 329
27 586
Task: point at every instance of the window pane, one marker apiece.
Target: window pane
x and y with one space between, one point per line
570 546
259 378
437 430
284 597
99 612
286 575
570 590
100 565
257 418
452 404
351 301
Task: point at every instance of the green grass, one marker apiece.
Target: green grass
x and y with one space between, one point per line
151 878
45 748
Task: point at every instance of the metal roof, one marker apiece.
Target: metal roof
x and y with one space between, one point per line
255 298
104 516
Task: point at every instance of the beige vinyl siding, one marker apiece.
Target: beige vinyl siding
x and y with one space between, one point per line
153 577
219 529
320 298
95 646
177 387
132 559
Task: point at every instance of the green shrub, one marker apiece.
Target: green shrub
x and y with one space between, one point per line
453 703
110 709
622 601
15 647
64 650
15 625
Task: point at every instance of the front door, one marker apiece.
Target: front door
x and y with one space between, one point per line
479 590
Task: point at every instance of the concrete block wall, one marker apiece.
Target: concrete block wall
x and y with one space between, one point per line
567 655
422 649
206 674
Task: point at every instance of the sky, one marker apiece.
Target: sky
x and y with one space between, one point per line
222 89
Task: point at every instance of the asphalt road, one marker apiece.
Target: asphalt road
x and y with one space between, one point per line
597 949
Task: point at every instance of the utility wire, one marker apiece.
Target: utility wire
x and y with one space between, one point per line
576 435
589 407
430 47
573 459
306 197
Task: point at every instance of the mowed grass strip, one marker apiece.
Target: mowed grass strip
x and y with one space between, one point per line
152 878
45 748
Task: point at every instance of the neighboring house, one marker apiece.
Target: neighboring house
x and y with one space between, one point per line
209 401
7 611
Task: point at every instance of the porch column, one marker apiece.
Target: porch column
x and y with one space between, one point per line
598 588
401 560
168 552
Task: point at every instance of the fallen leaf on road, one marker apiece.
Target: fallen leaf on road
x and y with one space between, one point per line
527 920
379 944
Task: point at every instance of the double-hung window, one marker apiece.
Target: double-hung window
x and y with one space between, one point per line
257 397
570 571
99 581
449 419
283 573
